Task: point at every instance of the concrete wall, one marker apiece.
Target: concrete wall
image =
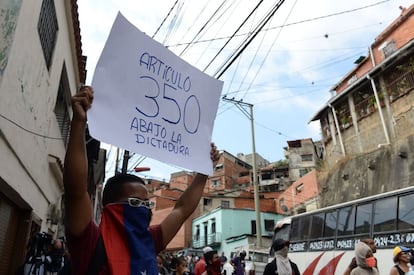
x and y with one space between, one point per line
385 169
29 93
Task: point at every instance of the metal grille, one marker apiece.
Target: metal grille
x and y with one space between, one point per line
47 28
61 107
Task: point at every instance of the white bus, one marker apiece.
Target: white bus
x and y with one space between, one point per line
322 241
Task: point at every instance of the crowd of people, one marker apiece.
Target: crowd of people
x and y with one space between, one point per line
209 263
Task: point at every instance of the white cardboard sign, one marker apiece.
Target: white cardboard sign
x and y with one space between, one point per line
151 102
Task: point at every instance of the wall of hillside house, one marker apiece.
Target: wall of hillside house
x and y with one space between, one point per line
400 35
399 120
378 167
403 115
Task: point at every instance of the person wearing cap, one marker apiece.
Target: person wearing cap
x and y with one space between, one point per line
402 257
365 260
281 264
371 243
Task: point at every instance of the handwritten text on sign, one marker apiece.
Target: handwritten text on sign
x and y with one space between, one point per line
151 102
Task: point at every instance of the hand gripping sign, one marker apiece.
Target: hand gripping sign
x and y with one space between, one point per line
149 101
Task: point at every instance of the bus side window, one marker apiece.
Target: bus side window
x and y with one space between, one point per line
406 212
330 224
363 218
346 221
385 214
305 227
318 221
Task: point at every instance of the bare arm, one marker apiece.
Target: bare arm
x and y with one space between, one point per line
78 205
394 271
186 204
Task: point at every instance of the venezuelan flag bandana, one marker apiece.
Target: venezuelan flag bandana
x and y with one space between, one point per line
128 244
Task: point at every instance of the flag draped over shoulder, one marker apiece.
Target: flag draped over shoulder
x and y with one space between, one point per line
128 243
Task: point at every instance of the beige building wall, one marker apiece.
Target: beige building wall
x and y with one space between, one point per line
30 165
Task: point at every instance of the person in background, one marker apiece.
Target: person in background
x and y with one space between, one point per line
365 260
402 256
200 266
281 264
228 268
162 270
370 242
178 266
213 264
223 260
239 264
112 247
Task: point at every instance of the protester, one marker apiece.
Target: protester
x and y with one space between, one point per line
200 266
239 264
162 270
223 260
228 269
365 260
370 242
402 256
281 264
178 266
213 263
123 243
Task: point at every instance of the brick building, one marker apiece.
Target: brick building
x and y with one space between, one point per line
367 127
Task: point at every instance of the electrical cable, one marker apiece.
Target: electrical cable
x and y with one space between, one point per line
165 18
203 27
234 33
29 131
289 24
233 57
268 52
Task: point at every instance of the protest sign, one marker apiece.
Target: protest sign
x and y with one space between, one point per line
151 102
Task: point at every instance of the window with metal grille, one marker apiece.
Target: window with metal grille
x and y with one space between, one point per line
62 107
47 28
388 48
269 225
307 157
225 204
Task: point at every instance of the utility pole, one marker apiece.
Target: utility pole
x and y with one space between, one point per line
125 162
240 104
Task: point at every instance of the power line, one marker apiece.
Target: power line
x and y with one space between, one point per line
236 54
288 24
234 33
203 27
29 131
267 53
165 18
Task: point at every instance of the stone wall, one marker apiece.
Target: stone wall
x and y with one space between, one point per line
389 167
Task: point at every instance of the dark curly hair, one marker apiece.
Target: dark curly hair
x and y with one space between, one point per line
113 186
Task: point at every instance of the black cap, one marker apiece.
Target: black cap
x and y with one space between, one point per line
279 244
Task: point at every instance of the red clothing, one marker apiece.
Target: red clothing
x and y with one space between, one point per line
200 267
82 247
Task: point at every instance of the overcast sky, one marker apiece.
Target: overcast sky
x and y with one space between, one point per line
286 72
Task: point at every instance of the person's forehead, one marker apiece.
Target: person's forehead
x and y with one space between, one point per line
134 189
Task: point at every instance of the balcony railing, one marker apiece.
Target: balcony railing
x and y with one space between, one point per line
209 240
401 86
